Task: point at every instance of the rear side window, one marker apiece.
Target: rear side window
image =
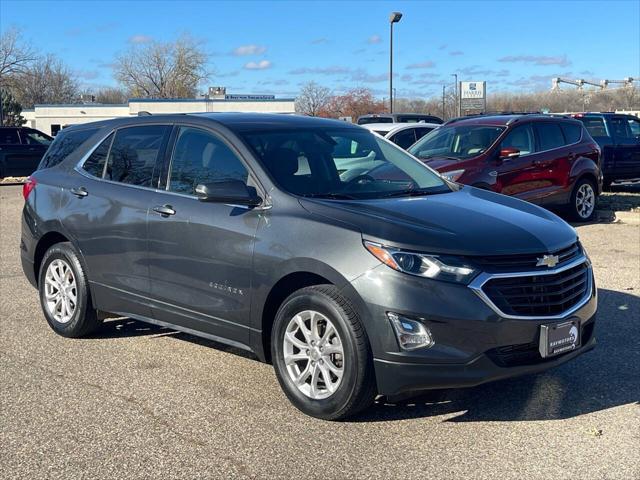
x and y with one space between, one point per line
64 145
9 136
595 126
549 135
521 138
404 138
572 132
200 157
94 165
34 137
134 153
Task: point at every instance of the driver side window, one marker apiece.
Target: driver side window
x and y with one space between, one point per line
521 138
200 157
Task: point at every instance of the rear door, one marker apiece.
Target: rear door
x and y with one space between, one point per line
105 207
625 131
201 253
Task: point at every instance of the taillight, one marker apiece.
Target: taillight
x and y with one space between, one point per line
28 187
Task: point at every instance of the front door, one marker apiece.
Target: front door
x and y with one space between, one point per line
517 176
201 253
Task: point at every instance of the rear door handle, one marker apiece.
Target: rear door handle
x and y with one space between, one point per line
79 192
164 210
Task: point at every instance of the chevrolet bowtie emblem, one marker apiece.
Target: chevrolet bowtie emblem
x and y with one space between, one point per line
548 261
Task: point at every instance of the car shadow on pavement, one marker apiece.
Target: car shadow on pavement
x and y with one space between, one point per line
603 378
128 327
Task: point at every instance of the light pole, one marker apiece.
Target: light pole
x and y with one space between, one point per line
457 111
393 18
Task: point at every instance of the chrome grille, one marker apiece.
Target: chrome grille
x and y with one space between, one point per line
539 295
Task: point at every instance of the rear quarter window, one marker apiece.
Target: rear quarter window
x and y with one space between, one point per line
64 145
572 132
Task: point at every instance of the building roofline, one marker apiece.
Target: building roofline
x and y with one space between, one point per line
206 100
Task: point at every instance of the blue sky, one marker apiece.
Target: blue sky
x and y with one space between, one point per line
274 47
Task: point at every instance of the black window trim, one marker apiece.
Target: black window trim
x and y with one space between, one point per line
79 166
535 133
166 171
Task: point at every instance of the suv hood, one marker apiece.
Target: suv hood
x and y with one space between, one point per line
469 221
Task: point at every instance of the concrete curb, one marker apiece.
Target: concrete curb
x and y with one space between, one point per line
628 217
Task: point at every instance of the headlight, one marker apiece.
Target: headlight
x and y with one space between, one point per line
438 267
453 175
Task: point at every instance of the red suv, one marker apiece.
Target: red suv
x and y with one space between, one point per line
544 159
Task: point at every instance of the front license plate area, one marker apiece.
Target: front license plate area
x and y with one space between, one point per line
559 338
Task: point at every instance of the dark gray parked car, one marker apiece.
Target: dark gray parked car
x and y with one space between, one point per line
315 244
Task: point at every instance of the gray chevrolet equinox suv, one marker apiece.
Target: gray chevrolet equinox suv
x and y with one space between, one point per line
317 245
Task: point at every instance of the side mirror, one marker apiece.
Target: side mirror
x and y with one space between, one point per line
233 192
508 153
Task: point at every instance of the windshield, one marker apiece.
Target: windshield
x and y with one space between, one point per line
341 164
461 141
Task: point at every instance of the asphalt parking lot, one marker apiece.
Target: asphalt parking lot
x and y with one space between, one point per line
138 401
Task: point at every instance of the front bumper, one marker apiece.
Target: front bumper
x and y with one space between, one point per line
396 377
474 344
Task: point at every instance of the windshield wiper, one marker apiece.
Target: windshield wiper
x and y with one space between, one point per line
414 193
332 196
428 157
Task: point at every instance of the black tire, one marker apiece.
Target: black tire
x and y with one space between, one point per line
84 319
574 207
357 389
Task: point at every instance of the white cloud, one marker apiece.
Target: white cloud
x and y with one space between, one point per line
244 50
560 60
425 64
261 65
373 39
140 39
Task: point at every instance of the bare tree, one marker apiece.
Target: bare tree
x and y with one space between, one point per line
111 95
15 55
163 70
354 103
313 98
46 80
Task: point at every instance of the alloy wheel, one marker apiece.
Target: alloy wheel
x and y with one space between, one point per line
313 354
585 200
60 291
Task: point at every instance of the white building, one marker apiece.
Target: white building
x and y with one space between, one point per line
51 118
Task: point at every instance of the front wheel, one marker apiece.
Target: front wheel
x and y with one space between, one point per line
321 354
583 201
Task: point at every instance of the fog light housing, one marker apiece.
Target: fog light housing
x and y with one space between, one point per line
411 334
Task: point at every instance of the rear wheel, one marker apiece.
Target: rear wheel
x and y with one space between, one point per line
583 201
64 293
321 354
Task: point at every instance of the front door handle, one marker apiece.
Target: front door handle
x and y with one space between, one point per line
79 192
164 210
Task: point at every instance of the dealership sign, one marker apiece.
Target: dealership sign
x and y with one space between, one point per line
473 97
